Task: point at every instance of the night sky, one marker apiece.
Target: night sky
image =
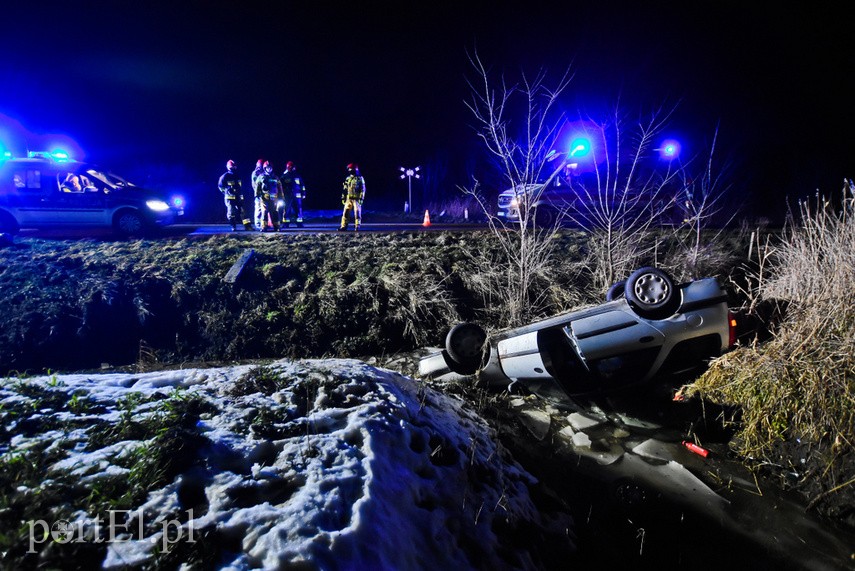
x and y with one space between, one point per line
169 91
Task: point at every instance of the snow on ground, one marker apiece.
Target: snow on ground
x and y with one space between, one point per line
334 464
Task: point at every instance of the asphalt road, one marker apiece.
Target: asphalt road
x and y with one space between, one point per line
311 227
178 230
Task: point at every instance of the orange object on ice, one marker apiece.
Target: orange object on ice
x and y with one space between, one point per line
696 449
426 223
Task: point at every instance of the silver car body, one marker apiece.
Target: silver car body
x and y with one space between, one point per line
604 347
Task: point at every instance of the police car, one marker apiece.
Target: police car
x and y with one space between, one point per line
49 190
649 327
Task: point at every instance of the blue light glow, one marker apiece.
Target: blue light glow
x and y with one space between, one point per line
57 155
669 149
580 147
178 201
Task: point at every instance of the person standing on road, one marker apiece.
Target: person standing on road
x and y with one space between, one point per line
294 192
353 194
268 190
259 170
230 187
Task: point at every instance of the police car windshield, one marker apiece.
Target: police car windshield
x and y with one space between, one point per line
112 180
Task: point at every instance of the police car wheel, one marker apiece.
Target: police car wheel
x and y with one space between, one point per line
8 224
129 223
465 344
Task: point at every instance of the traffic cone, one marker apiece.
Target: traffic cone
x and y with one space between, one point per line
426 223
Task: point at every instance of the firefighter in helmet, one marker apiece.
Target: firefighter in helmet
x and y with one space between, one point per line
352 196
230 187
267 191
294 192
259 170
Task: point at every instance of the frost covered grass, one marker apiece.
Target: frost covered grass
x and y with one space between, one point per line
146 305
795 393
329 463
78 304
73 305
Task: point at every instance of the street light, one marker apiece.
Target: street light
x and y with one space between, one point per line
409 174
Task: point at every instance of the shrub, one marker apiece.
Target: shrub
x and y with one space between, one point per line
796 391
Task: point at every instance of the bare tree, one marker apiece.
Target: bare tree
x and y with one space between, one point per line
622 188
624 195
700 202
522 150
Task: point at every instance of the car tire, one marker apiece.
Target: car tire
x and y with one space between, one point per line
652 294
129 223
465 345
616 291
544 216
8 224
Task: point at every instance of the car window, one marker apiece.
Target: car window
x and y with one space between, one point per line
89 184
29 179
69 182
103 179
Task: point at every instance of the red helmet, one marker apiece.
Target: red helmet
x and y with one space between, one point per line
289 165
259 163
230 165
353 167
267 166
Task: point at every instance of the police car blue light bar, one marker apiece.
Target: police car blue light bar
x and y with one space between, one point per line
580 147
58 155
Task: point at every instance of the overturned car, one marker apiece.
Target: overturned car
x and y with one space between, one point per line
649 326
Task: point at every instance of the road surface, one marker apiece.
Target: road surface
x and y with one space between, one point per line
323 227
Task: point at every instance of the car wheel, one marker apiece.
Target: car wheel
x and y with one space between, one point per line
8 224
616 291
129 223
544 217
465 345
651 293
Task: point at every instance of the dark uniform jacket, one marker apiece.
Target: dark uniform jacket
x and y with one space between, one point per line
230 186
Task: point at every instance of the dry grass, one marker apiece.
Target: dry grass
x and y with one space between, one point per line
74 305
800 386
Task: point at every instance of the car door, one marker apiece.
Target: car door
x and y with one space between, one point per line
33 200
67 206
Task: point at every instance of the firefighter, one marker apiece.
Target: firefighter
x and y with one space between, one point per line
294 192
353 194
267 191
230 187
259 170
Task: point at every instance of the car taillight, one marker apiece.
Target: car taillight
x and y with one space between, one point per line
731 325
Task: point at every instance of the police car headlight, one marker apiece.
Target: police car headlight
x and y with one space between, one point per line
157 205
280 203
514 202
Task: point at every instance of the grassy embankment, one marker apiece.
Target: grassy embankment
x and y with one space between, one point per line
795 394
149 304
